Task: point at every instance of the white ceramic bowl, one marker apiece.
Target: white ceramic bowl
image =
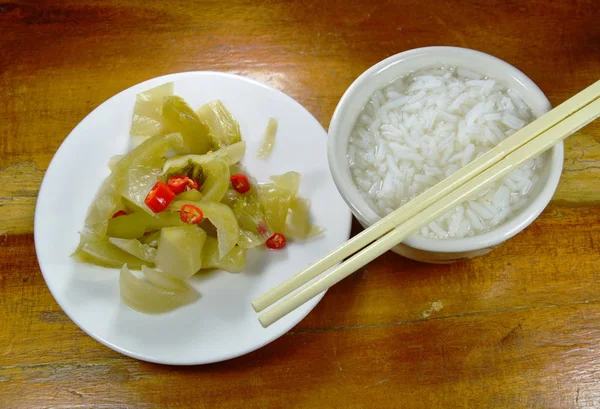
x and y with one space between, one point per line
356 96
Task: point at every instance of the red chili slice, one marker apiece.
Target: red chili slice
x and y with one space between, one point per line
240 183
276 241
120 213
181 183
191 214
160 197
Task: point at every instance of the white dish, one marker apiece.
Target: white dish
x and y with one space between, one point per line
221 324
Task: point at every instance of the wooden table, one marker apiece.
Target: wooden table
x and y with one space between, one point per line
516 328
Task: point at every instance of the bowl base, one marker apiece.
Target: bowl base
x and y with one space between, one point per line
438 258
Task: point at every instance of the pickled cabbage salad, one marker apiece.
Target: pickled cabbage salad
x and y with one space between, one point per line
181 202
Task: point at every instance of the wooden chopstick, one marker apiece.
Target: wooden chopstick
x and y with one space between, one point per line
504 163
431 196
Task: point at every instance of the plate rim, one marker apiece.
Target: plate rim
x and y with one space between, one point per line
140 356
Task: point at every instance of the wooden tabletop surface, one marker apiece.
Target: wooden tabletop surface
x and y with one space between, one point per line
516 328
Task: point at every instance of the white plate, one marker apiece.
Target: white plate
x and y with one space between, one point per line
221 324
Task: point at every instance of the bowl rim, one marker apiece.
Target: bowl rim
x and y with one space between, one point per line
491 238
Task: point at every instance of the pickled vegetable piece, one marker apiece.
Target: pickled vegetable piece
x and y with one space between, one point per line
144 296
249 240
179 117
249 214
179 251
137 140
147 113
105 204
234 261
191 195
131 207
165 219
275 204
224 128
216 180
298 223
134 225
135 248
289 181
130 226
182 164
113 160
140 168
101 252
222 217
163 280
234 153
151 239
269 140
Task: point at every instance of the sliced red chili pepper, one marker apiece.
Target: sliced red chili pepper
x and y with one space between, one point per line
181 183
276 241
240 183
191 214
120 213
160 197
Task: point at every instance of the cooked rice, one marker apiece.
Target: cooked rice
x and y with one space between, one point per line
425 126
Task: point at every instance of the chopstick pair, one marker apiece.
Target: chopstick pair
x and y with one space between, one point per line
530 141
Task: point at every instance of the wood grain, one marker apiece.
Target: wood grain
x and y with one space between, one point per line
516 328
